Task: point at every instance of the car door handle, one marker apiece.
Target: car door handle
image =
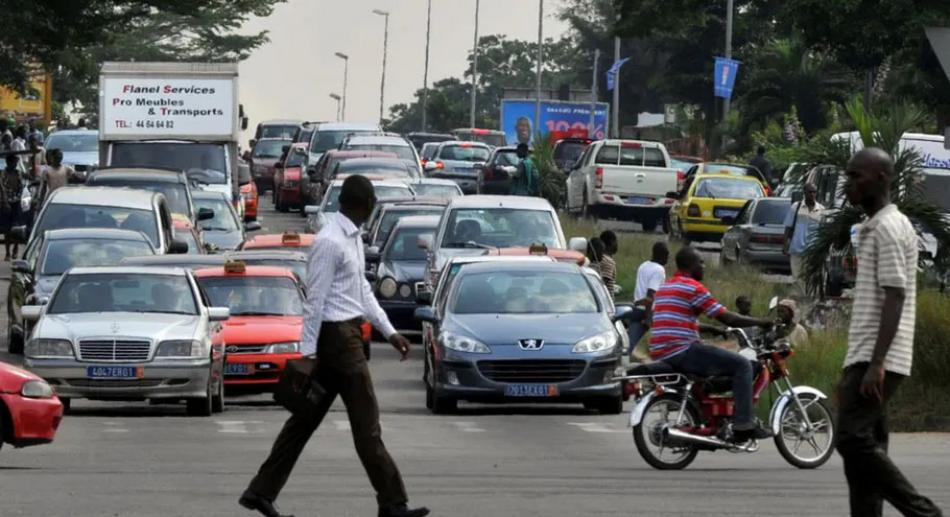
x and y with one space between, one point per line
640 175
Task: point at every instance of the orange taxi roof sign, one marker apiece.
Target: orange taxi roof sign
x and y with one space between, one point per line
235 266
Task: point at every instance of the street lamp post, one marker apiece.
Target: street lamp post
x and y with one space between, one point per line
425 73
337 98
471 113
729 13
382 82
346 69
537 100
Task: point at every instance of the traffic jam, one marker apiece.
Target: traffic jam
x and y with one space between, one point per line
150 279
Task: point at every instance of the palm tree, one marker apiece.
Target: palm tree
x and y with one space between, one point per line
884 130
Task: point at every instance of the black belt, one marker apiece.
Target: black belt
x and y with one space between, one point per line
354 321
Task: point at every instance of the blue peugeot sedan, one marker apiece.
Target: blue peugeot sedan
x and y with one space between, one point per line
521 331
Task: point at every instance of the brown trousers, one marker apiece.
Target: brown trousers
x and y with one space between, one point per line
341 370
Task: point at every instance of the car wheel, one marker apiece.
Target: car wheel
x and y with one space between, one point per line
649 224
587 212
443 405
217 402
67 405
200 406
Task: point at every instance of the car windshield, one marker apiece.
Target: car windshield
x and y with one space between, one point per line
269 148
325 140
429 190
188 237
124 292
278 131
464 153
389 168
254 295
224 219
299 267
74 143
405 244
391 217
725 188
404 152
382 192
482 136
523 292
507 158
59 215
176 194
206 163
770 212
569 152
62 254
500 228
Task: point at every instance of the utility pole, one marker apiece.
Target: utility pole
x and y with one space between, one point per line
346 70
537 92
730 8
471 112
425 73
615 122
382 82
592 131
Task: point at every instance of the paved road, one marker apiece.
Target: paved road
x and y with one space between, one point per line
135 459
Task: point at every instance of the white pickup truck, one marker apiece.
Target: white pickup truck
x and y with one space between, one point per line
625 179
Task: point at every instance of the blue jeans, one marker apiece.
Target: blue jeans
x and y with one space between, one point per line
635 327
709 361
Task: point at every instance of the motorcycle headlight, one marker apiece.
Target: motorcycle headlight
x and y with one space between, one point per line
179 348
49 349
283 348
36 389
602 343
388 287
463 344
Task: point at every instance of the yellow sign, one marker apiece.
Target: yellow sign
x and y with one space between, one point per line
34 104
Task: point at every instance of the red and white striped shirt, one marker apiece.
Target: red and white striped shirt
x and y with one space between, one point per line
676 309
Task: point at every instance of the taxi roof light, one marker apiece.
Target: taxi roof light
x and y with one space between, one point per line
290 238
538 248
235 266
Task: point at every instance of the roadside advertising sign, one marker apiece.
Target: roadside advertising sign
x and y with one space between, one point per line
560 117
724 78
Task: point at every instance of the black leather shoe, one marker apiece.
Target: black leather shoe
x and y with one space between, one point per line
254 502
403 511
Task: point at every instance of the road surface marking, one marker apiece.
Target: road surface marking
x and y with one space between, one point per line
468 427
594 427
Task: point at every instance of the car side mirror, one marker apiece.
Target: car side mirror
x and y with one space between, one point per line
252 226
430 166
21 266
622 312
426 314
219 313
370 277
251 143
728 220
31 312
205 214
425 241
578 244
177 247
423 296
372 254
311 172
211 248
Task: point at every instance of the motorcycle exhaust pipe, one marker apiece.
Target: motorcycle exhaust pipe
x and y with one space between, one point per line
677 436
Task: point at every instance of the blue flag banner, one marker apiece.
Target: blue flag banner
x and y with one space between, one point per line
612 73
724 78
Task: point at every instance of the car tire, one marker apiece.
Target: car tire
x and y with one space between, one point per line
200 406
67 405
649 224
443 405
217 402
586 211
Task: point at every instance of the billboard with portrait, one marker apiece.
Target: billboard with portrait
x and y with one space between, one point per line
558 117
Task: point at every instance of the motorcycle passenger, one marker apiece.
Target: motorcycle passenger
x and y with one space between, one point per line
675 338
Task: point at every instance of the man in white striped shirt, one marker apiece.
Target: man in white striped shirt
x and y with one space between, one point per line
880 342
338 298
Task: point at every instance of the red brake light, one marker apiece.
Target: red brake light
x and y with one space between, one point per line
631 145
693 210
599 177
465 144
439 165
480 131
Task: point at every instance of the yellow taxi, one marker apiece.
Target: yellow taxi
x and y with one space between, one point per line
706 199
732 169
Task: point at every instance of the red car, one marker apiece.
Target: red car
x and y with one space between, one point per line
250 195
287 178
276 241
30 412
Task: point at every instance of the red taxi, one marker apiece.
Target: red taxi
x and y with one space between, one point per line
30 412
250 197
287 178
276 241
266 320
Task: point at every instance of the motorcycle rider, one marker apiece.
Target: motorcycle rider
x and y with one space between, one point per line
675 338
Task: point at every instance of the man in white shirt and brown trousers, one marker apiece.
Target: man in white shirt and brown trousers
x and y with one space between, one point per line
880 342
338 299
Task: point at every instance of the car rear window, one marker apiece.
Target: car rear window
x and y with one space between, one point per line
404 152
727 188
464 153
770 212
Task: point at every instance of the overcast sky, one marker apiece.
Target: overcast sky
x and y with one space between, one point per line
293 75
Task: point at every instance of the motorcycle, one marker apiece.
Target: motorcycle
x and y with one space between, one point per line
677 415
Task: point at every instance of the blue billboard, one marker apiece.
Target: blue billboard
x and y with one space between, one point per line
560 119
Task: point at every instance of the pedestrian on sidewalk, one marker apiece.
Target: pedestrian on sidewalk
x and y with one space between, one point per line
608 265
880 342
11 188
650 276
801 223
339 298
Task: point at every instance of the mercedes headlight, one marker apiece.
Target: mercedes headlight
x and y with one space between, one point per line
36 389
49 349
179 348
463 344
283 348
601 343
388 288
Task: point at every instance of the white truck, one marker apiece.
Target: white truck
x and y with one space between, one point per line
182 116
623 179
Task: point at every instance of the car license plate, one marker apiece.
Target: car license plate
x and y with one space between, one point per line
115 372
531 390
636 200
725 212
239 369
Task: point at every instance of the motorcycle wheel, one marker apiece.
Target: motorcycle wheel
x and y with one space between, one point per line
803 449
648 434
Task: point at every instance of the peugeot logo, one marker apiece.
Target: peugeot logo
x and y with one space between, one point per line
232 349
531 344
115 327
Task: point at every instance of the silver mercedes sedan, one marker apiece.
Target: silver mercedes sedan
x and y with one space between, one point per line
129 333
